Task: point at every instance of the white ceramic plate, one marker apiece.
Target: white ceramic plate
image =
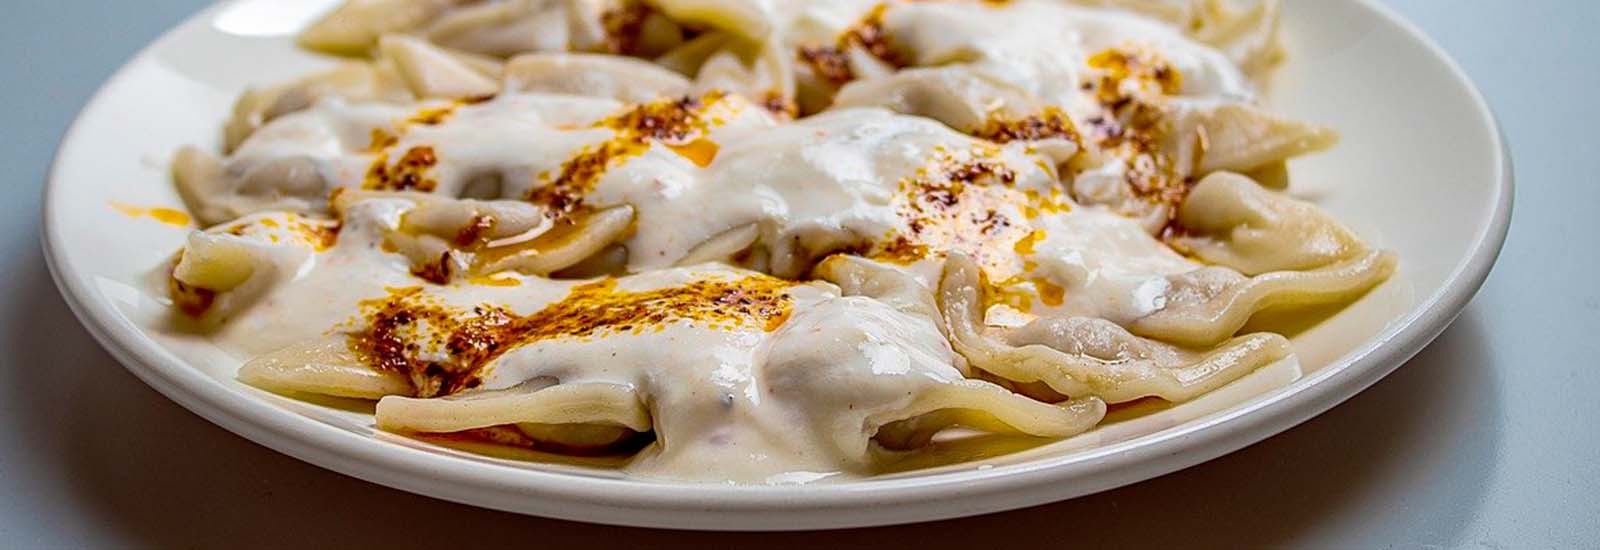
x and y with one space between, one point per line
1422 171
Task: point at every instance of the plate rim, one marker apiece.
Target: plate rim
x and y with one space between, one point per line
731 507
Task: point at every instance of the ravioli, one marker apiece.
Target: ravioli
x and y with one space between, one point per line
740 240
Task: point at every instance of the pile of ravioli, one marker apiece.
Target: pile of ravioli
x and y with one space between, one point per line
760 241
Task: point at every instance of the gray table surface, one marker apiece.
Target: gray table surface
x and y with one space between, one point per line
1489 439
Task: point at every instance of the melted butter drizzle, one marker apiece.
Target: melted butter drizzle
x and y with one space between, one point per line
1051 123
956 206
472 244
409 323
320 234
678 123
195 301
832 61
168 216
1131 88
410 172
624 26
959 205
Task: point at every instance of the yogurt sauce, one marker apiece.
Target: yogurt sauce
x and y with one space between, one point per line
748 397
741 404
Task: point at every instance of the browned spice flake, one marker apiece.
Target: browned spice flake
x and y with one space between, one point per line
191 300
434 116
381 139
967 203
624 25
437 271
410 173
1133 127
774 102
320 234
408 324
1119 65
1050 124
677 123
829 62
956 206
473 233
832 62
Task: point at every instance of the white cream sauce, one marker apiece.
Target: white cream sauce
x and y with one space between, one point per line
1044 46
742 405
835 173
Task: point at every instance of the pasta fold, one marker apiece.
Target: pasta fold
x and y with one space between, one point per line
442 363
1249 35
353 81
222 271
432 73
354 27
957 96
1206 306
584 404
1230 220
325 366
500 28
1209 138
759 240
510 27
619 78
1080 357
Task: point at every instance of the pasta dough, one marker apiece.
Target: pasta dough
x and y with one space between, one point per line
760 241
716 362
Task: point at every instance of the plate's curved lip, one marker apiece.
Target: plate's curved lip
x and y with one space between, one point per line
808 506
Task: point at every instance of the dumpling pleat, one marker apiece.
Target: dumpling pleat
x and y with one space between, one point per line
559 404
1231 221
433 73
1239 137
593 75
1207 306
325 366
983 406
354 27
961 98
1092 357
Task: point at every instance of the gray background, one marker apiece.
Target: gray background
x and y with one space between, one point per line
1488 439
